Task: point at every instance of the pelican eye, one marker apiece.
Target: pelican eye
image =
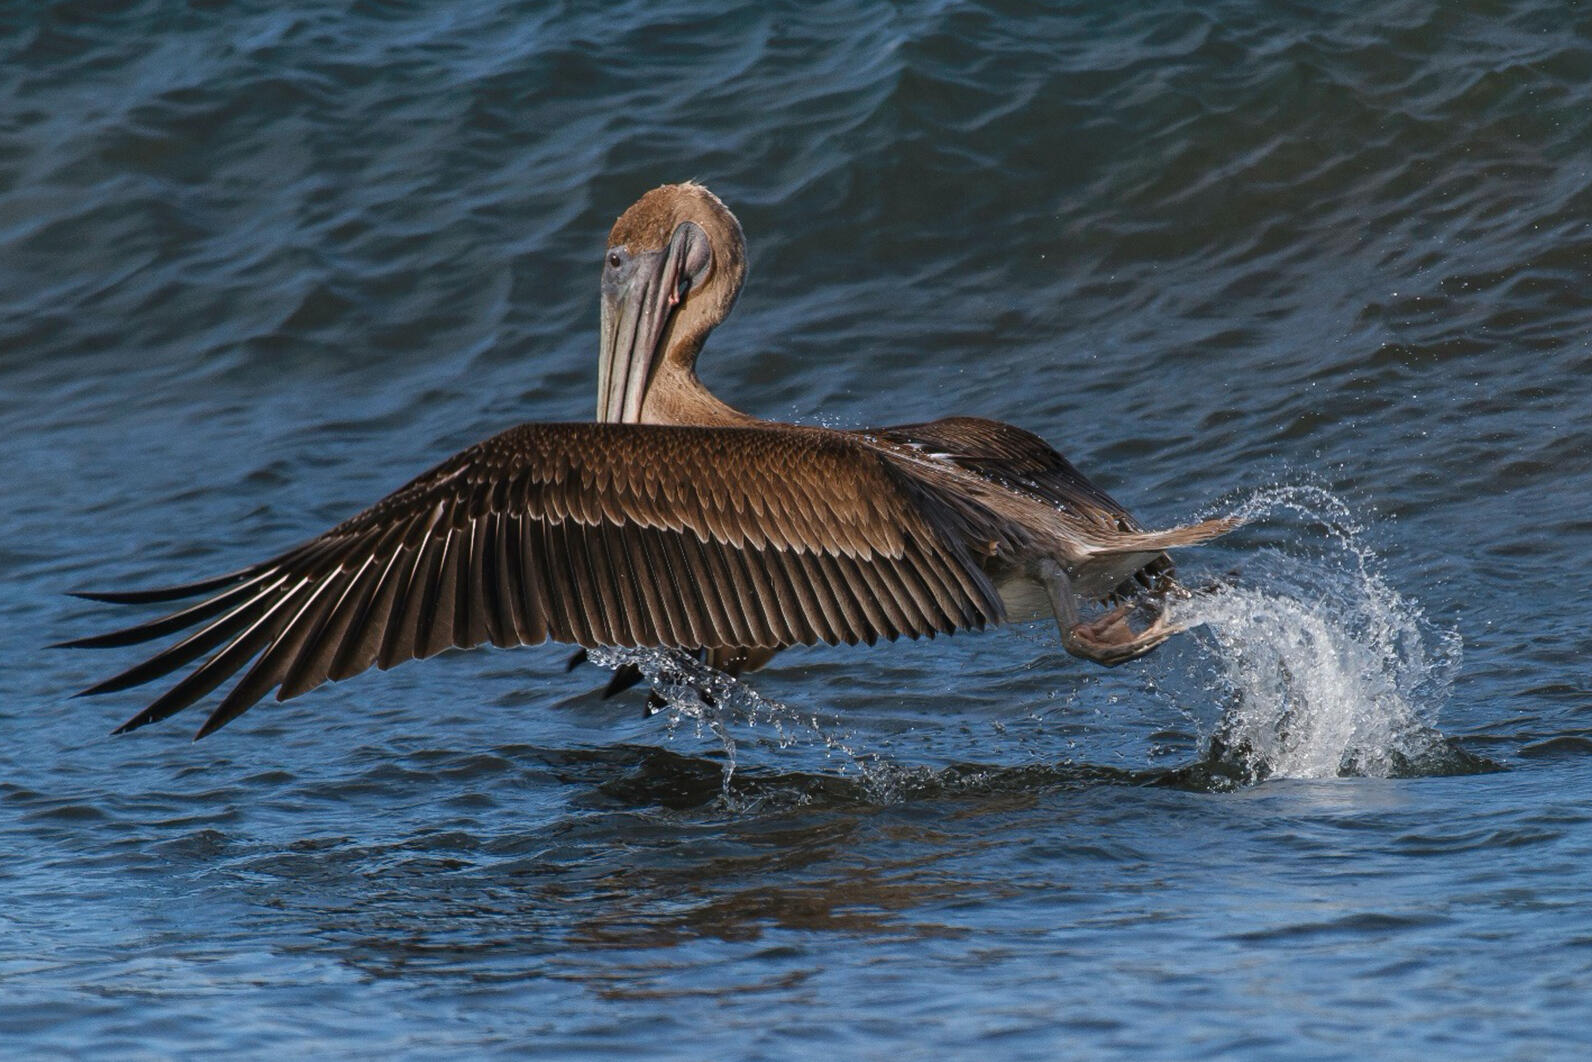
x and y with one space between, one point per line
614 260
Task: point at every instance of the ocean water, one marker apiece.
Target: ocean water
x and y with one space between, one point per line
1327 266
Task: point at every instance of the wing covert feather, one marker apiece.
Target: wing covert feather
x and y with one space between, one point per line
1013 457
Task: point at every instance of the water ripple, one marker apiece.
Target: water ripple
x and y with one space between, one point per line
259 265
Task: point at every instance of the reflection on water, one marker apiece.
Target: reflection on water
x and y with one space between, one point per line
635 870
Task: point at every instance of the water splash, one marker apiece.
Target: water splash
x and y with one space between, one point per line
696 694
1326 669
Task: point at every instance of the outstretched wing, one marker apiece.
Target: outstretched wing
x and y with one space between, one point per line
594 534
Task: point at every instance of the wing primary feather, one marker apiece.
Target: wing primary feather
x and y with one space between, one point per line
915 573
201 681
784 596
845 615
517 586
507 564
585 604
717 608
434 628
672 628
606 579
273 664
309 669
538 603
648 621
762 612
439 625
410 604
564 619
893 623
883 594
189 649
864 620
481 586
301 653
635 624
369 629
170 593
170 624
731 593
687 591
343 631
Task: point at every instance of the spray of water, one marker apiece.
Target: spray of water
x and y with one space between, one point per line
697 695
1326 670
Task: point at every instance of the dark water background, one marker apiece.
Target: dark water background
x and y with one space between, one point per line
259 263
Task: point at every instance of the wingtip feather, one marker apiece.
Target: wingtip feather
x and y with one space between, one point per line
155 594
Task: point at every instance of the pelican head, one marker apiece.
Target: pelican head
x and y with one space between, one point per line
674 265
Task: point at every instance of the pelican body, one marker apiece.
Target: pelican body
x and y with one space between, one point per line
674 521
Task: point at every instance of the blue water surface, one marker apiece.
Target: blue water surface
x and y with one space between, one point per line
1327 265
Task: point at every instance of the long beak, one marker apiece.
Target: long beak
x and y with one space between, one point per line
637 305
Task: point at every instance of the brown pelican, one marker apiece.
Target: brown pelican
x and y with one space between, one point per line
675 522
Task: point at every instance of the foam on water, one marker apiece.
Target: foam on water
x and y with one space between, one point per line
1326 669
